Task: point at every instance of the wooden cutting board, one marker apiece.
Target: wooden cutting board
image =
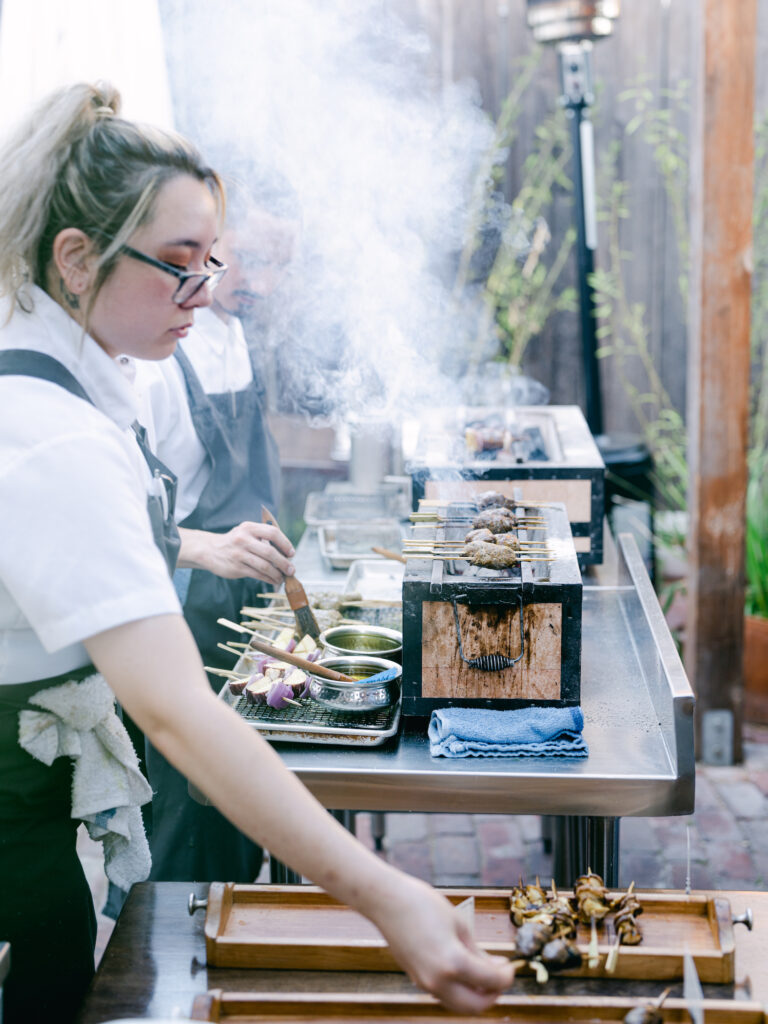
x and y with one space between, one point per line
303 928
387 1008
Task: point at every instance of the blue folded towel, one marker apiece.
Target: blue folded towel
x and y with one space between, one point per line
523 732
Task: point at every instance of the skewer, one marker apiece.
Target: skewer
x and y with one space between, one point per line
457 558
262 644
447 545
420 517
264 622
256 612
236 650
223 672
243 675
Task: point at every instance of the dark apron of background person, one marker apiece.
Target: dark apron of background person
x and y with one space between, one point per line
46 909
190 842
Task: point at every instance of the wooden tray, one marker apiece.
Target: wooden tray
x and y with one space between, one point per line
283 1008
302 928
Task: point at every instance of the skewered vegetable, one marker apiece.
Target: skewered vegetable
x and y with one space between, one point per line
648 1013
627 929
531 938
560 955
591 895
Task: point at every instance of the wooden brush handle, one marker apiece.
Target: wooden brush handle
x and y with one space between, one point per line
267 517
313 667
393 555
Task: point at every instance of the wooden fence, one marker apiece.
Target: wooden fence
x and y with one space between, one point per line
486 40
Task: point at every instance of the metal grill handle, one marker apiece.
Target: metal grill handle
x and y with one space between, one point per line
489 662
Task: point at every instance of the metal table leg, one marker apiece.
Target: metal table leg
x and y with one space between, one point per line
581 843
378 830
281 874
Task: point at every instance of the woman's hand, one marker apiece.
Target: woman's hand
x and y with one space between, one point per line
253 550
431 941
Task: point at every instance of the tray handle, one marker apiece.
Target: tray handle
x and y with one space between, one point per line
747 918
489 662
195 903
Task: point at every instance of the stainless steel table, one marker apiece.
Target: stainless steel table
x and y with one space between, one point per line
638 712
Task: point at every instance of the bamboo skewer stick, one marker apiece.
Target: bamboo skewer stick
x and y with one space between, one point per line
252 611
450 545
235 650
262 644
454 558
269 623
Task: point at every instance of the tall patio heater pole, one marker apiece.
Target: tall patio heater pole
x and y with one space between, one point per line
572 25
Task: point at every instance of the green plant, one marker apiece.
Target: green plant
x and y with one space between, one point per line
624 333
520 291
756 553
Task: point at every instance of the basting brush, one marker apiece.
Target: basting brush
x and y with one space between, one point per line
306 623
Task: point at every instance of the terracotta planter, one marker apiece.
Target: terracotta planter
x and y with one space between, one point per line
756 669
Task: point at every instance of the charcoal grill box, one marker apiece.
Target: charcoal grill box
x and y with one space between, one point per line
457 619
557 460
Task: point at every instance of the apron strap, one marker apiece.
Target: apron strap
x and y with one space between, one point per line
23 362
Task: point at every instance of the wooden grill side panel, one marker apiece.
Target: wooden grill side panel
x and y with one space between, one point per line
488 630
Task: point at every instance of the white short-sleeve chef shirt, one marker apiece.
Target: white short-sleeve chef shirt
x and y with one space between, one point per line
77 554
219 356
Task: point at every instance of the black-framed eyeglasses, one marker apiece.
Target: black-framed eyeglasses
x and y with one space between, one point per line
190 282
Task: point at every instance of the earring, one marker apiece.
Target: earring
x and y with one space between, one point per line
71 299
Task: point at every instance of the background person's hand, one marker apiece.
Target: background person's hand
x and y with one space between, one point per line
254 550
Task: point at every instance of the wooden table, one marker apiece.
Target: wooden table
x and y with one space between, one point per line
154 964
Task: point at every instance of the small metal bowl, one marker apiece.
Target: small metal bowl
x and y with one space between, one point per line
363 638
359 695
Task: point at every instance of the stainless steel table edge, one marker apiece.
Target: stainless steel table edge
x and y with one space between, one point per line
675 680
401 776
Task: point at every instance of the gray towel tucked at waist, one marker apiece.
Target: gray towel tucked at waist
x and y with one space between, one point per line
78 720
523 732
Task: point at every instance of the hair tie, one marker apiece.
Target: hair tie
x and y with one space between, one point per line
105 111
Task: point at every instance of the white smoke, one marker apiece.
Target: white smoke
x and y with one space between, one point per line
337 96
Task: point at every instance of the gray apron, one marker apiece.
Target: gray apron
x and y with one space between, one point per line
190 842
41 879
20 362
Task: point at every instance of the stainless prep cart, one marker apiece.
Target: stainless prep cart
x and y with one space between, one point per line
638 711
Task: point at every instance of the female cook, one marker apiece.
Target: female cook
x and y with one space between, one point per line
106 232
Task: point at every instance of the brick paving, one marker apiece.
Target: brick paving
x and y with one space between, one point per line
728 839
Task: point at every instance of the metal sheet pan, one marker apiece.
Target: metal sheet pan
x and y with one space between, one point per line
375 579
343 543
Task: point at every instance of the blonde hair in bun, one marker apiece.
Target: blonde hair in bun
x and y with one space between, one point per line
75 162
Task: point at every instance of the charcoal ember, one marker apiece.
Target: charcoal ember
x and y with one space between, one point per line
484 439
